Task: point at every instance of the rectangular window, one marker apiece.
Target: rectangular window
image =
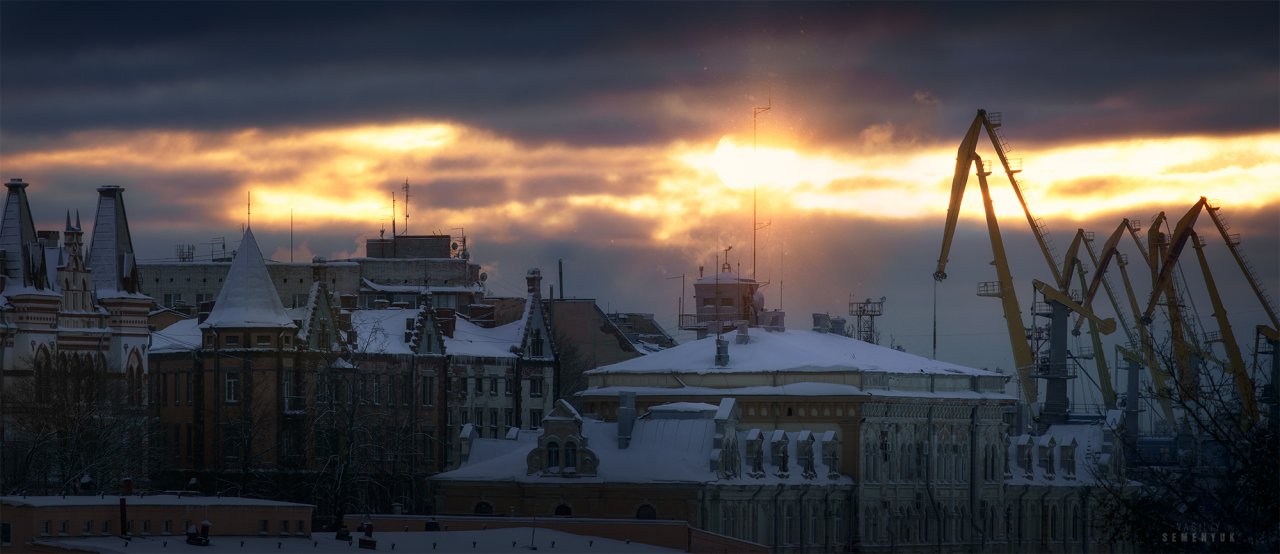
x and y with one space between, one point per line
188 388
428 390
263 526
493 386
535 387
301 529
164 388
46 528
535 419
479 418
64 527
493 422
106 527
146 527
231 387
479 385
506 383
508 414
232 340
284 527
429 449
6 534
377 389
88 527
168 526
263 340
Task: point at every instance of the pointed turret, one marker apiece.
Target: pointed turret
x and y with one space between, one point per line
111 251
248 298
17 234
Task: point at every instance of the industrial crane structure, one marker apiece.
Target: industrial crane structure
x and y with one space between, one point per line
1053 368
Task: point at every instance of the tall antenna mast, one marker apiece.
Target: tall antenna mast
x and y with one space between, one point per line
393 214
406 205
290 235
248 209
755 226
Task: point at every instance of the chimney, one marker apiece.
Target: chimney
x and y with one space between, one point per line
722 352
626 418
533 280
448 318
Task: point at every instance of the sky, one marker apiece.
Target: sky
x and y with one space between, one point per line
629 139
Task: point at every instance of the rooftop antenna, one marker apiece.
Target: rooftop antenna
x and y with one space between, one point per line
290 235
393 214
755 225
406 205
248 209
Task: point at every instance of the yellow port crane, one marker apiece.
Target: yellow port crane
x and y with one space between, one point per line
1024 358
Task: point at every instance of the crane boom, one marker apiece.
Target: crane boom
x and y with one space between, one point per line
1233 244
1036 229
964 159
1235 361
1022 355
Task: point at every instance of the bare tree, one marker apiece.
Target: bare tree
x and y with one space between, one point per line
1222 491
75 425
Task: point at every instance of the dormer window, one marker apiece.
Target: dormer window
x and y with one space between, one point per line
570 455
553 454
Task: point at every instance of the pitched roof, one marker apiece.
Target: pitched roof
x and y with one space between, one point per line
248 298
787 350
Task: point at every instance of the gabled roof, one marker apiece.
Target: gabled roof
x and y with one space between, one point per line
248 298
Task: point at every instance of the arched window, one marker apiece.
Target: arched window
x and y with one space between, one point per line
564 510
553 454
1053 522
570 454
483 508
1075 523
646 511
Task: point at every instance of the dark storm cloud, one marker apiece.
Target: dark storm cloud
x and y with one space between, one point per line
596 73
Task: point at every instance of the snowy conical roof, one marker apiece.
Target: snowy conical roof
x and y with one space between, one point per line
16 231
111 250
247 298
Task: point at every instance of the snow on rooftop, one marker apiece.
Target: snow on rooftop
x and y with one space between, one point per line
181 336
486 542
1089 457
248 298
684 407
661 450
788 350
420 289
723 278
470 339
382 331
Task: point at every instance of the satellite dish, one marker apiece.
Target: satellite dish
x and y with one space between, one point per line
484 277
454 245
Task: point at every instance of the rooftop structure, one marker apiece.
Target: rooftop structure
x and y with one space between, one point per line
248 299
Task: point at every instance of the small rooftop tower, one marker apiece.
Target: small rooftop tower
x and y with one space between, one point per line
724 297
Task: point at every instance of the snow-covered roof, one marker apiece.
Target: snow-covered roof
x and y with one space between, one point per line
684 407
382 331
491 541
470 339
770 351
723 278
181 336
661 450
419 289
1091 455
111 254
248 298
16 231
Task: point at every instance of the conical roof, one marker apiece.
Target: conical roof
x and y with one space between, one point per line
111 248
17 232
248 298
